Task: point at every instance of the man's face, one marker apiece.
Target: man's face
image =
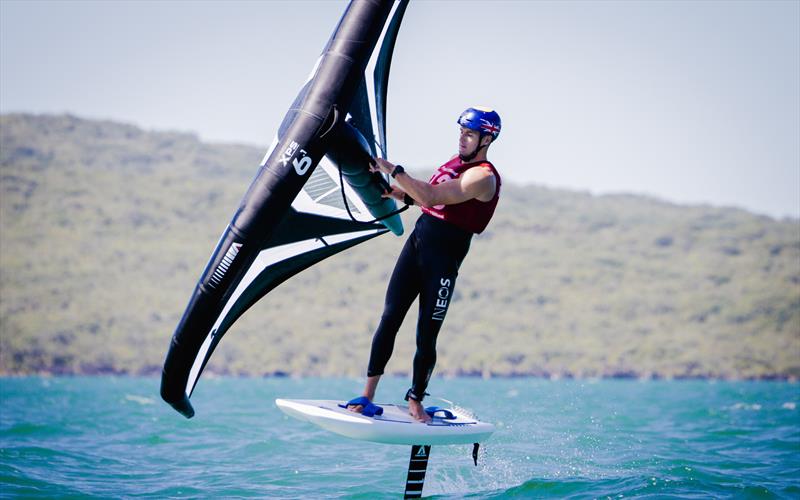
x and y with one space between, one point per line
468 141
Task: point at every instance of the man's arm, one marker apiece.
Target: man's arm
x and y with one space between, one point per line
477 182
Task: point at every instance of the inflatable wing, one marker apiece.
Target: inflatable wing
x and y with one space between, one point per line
297 211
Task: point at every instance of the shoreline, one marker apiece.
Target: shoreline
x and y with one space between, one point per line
549 377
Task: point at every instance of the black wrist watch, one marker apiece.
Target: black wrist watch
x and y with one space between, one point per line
398 169
408 200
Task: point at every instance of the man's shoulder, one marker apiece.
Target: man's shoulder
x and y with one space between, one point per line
482 169
485 168
485 174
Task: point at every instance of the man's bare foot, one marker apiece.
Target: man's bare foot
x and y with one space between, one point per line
355 408
369 393
417 411
360 408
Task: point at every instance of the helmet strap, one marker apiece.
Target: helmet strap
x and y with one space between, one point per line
471 156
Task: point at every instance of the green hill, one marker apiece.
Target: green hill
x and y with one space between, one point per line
105 228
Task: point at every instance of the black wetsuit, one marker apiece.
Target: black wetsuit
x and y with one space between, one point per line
427 267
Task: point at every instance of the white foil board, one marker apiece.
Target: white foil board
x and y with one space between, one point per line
395 426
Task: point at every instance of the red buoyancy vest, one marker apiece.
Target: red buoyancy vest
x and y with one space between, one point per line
471 215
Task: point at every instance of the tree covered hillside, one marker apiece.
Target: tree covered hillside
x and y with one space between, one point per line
105 228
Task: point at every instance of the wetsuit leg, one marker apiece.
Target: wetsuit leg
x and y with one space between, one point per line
442 249
403 288
434 301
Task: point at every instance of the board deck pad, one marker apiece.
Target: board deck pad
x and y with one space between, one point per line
394 426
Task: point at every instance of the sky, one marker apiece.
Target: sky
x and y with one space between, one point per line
690 102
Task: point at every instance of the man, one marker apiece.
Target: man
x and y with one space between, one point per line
457 202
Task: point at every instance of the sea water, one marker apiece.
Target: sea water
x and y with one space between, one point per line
113 437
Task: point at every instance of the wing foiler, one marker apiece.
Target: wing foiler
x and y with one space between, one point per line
297 211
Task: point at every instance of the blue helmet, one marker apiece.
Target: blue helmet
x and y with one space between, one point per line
484 120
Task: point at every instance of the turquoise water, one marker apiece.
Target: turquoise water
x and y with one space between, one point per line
114 438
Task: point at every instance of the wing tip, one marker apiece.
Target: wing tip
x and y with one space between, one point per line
176 398
183 406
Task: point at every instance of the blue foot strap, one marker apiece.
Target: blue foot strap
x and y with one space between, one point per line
445 414
370 409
